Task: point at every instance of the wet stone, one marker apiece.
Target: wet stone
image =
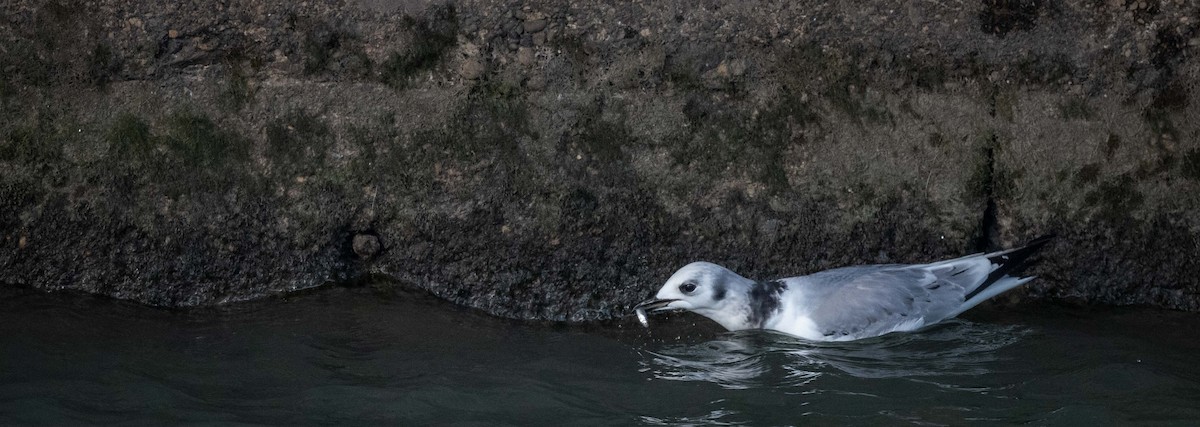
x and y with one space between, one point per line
535 25
366 245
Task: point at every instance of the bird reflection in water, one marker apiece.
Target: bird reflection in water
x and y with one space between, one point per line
757 359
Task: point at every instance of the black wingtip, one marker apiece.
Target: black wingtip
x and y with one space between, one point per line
1040 241
1010 260
1013 258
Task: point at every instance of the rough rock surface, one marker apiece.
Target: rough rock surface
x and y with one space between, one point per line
559 159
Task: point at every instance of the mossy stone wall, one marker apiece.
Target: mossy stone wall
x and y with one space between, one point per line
558 160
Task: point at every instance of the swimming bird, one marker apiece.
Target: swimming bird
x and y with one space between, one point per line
846 303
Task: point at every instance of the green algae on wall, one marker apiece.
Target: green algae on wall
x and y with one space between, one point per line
431 37
187 153
594 149
298 141
39 140
129 138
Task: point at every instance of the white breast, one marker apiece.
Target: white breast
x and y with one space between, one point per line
792 317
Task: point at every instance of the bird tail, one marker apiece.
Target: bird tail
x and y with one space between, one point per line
1002 266
1006 261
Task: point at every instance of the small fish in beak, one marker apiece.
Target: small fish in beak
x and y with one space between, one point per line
652 304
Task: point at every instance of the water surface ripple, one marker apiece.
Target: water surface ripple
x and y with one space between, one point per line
381 356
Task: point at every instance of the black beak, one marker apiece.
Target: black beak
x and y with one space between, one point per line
653 304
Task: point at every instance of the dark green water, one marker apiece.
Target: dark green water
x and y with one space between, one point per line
361 356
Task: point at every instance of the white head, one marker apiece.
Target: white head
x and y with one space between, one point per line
706 289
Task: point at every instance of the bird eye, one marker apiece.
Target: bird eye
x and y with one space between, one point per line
687 288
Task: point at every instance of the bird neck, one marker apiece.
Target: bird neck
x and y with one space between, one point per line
734 310
764 300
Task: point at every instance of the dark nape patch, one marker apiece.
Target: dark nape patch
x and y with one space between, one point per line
764 300
719 292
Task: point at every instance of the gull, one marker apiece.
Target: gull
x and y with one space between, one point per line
843 304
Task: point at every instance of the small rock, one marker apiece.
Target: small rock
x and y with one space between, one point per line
173 34
366 245
535 25
187 56
737 67
21 242
724 74
539 39
723 70
472 68
525 56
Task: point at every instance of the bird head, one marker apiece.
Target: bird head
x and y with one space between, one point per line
704 288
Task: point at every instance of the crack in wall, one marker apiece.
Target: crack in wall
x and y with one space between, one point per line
988 227
988 223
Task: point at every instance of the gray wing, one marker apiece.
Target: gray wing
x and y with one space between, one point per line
856 302
873 300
